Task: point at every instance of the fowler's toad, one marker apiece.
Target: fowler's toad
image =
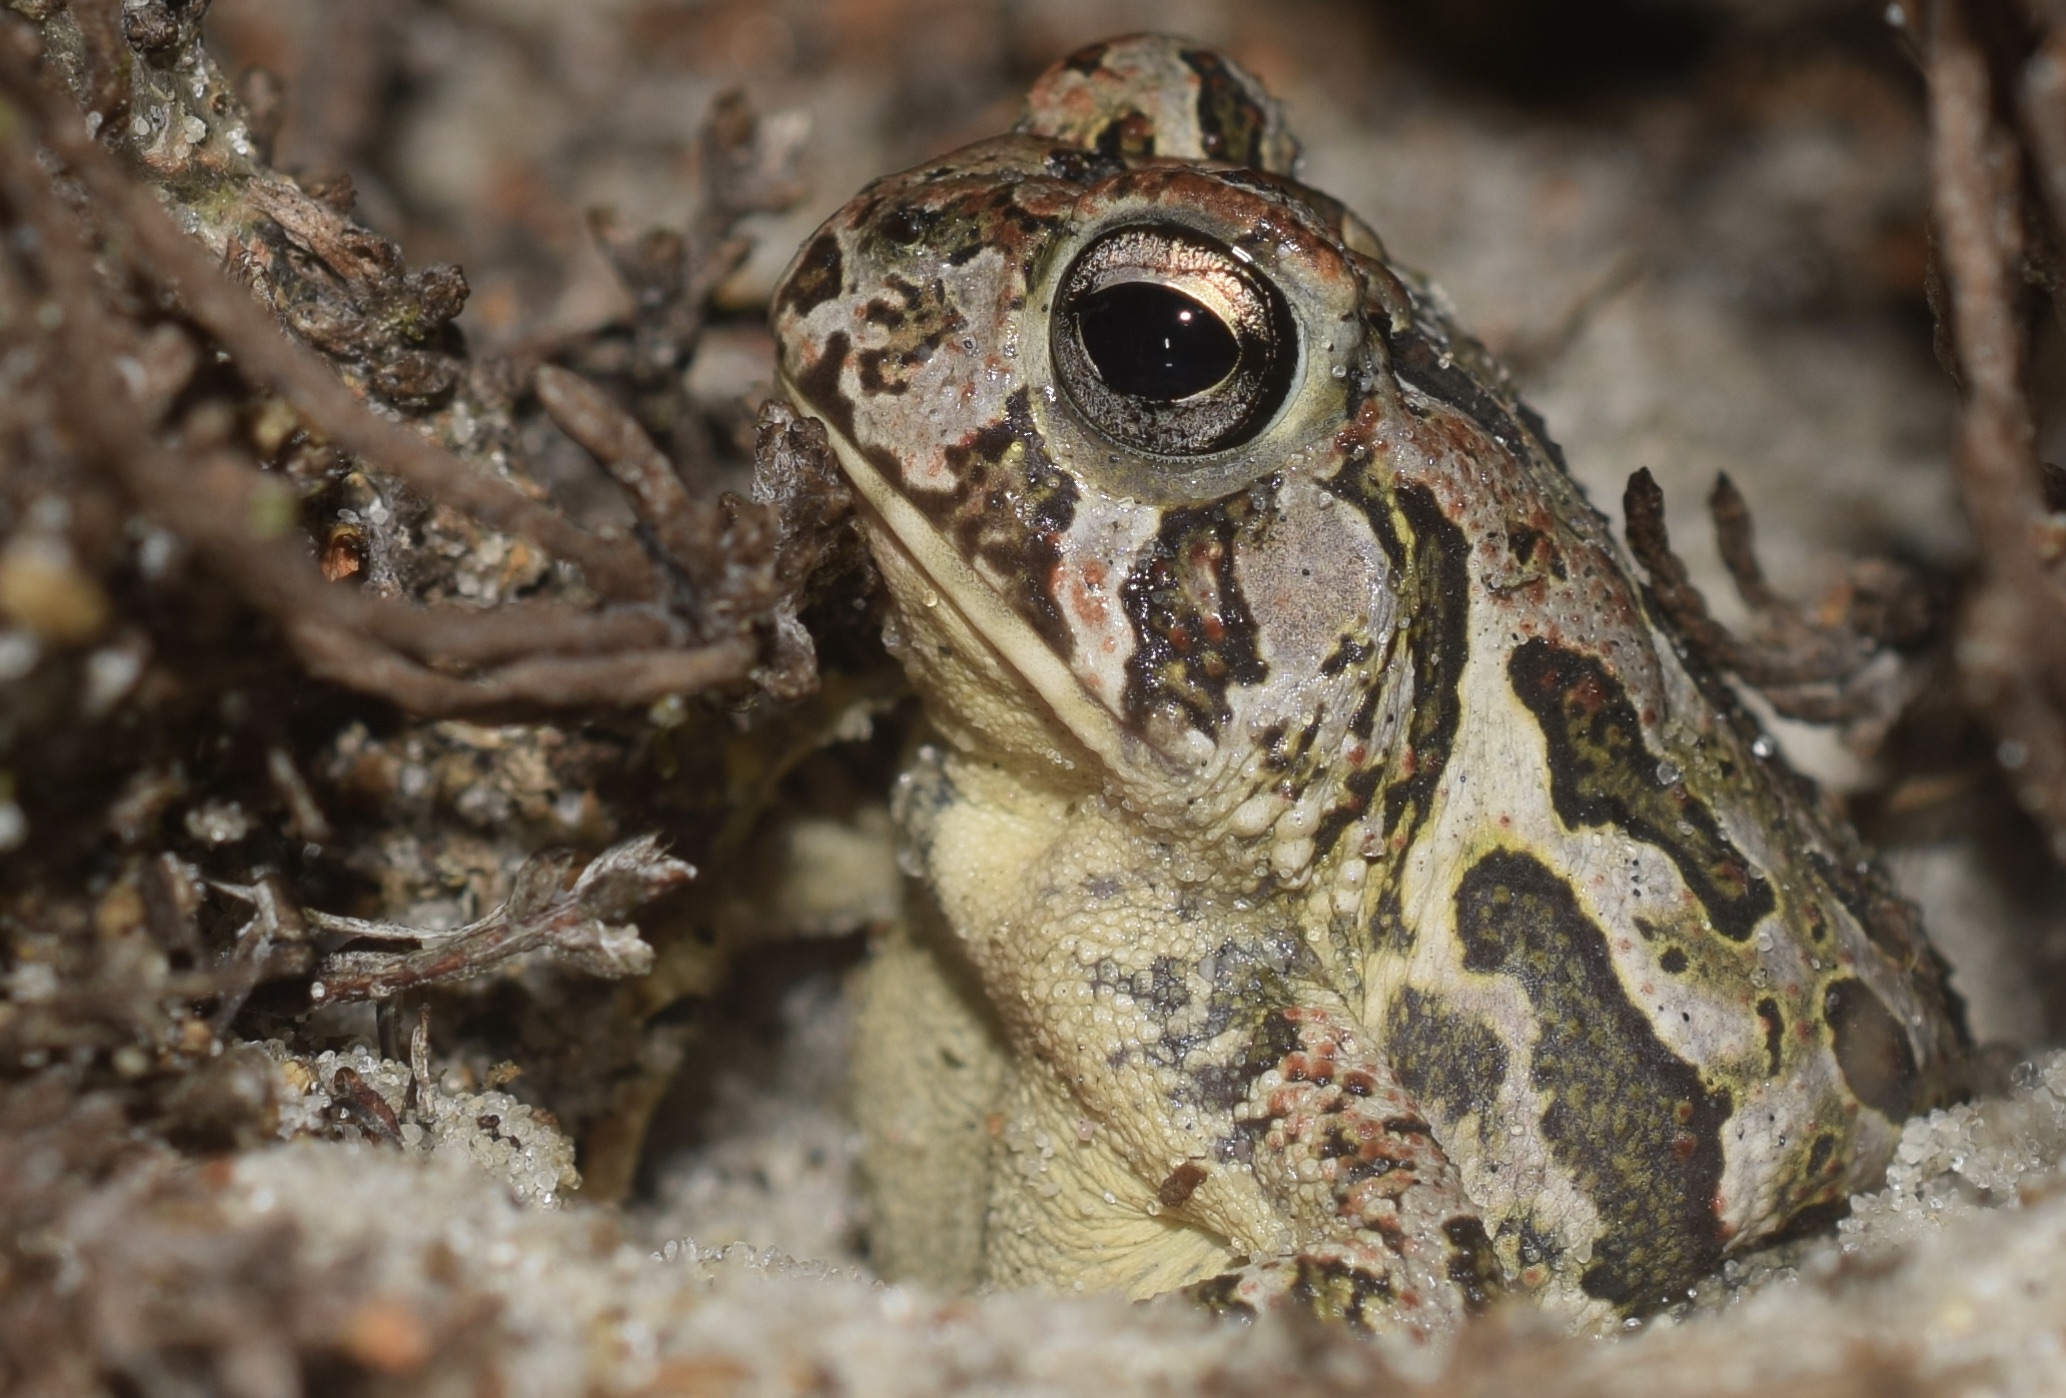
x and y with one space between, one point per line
1341 886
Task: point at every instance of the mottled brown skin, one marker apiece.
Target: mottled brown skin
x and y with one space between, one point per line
1341 889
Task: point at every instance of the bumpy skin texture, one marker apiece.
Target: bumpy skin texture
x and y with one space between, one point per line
1362 898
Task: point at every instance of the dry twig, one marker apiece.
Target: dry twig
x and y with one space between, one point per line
524 654
580 925
2012 650
1857 663
228 313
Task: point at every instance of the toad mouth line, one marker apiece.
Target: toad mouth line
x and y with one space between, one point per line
1016 643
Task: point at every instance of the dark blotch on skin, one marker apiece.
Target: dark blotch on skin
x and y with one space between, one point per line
1430 559
1194 635
1819 1154
1336 1291
1418 359
1775 1034
1221 1295
819 385
1230 123
1602 774
1871 1048
1451 1064
1129 136
904 226
1631 1121
1438 643
1530 546
917 318
1473 1265
819 275
1349 650
1081 167
1247 991
1011 519
1181 1183
1044 508
1534 1244
1087 60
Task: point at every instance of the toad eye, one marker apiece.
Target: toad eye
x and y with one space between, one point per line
1168 343
1147 340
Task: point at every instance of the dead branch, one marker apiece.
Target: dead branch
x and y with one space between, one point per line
799 479
743 166
614 438
2012 653
614 567
524 654
1856 663
725 554
580 925
273 943
341 634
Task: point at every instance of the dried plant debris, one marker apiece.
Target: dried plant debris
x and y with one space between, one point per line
1858 660
354 1260
353 1095
1997 89
579 923
472 528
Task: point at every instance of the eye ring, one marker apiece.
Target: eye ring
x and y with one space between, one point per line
1169 343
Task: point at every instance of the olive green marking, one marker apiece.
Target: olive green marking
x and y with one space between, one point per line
1451 1064
1473 1266
1194 636
1221 1295
1231 122
1631 1122
1871 1048
1602 774
1334 1290
1430 558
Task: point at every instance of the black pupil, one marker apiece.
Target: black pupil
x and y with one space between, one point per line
1152 341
